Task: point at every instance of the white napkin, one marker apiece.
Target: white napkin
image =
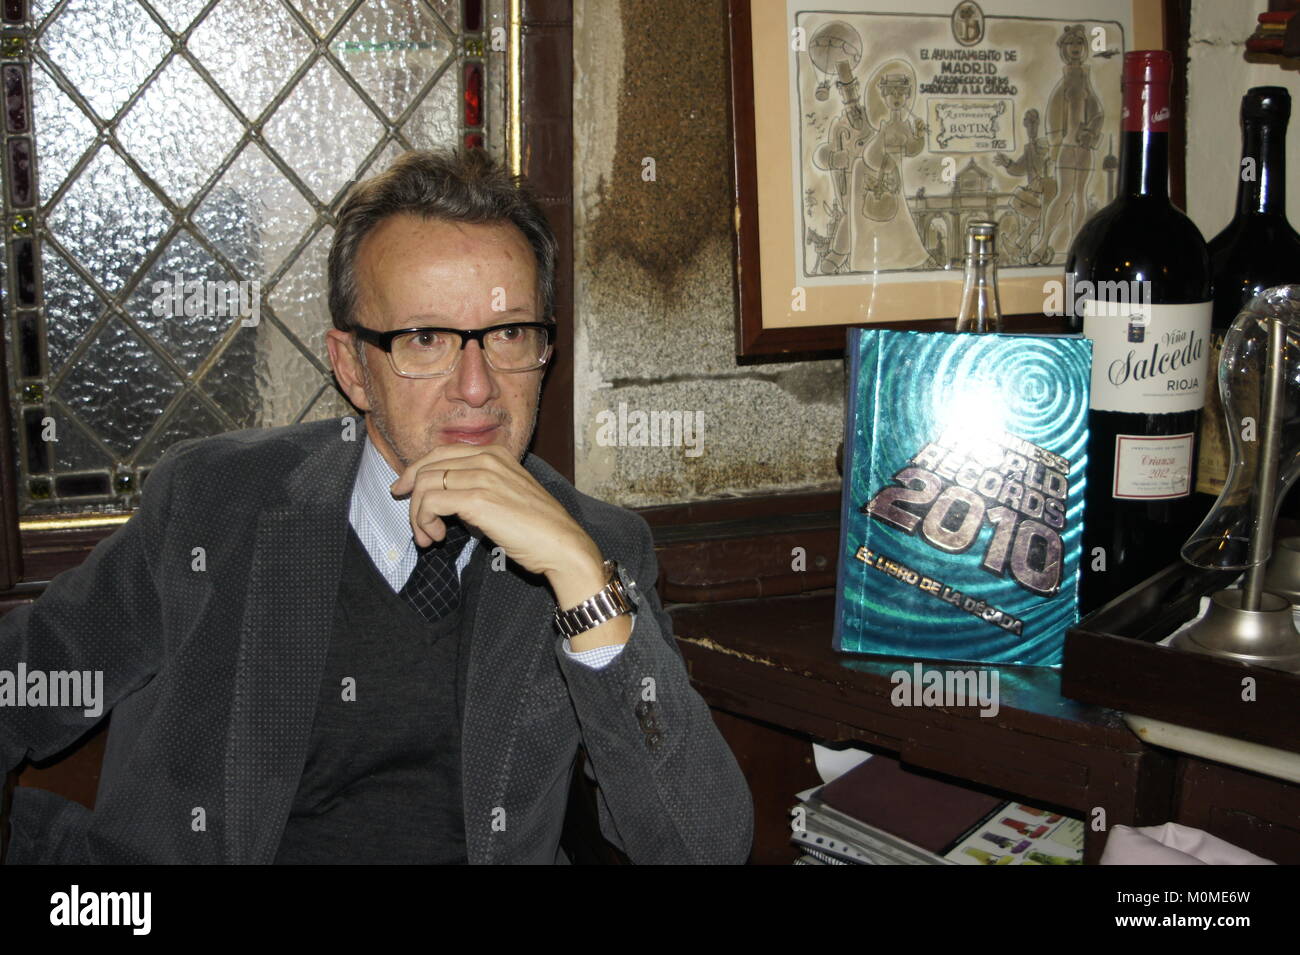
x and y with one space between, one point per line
1172 844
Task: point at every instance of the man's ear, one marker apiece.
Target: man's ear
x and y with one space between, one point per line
347 367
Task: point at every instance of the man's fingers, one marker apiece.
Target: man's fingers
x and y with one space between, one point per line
466 475
453 455
427 513
423 537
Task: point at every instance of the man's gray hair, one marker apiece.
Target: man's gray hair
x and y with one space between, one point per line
465 185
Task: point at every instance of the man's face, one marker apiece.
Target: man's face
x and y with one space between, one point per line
411 272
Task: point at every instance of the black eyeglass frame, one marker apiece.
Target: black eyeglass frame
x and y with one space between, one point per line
384 341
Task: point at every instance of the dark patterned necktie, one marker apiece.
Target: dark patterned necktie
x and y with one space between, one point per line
433 588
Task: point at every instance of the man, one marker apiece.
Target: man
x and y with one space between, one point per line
322 645
1074 116
1029 200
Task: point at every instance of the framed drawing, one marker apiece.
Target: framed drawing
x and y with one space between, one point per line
869 132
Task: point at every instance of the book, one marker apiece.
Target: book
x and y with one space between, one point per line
962 511
1021 835
921 811
881 813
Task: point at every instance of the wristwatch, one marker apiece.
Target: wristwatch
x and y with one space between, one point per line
620 595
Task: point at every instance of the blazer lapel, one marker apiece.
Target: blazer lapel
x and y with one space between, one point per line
284 638
511 635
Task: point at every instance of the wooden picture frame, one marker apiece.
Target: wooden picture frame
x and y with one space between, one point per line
766 322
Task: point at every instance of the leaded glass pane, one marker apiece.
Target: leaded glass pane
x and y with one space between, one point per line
437 119
191 417
392 71
449 10
178 131
74 448
329 404
41 9
184 302
251 48
322 14
178 13
324 131
254 215
121 388
188 196
299 298
230 381
286 379
109 220
71 307
62 129
385 158
106 48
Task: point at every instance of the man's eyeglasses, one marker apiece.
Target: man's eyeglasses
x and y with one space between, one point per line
432 352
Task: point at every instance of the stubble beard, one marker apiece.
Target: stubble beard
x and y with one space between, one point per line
404 454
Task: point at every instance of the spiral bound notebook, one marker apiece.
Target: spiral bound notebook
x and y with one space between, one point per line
962 512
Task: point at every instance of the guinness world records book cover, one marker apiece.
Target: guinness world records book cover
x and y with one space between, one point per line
962 513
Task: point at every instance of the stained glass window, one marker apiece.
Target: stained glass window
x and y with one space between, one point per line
170 174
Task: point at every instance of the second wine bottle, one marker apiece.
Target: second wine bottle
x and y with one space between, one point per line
1141 271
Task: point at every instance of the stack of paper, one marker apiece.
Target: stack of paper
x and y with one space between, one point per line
882 814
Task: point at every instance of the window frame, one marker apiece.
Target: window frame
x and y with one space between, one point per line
539 146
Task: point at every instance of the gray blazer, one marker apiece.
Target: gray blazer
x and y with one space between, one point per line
212 676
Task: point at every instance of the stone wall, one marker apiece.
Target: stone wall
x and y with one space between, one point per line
654 296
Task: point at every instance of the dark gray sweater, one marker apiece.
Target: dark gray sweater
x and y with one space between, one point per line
382 778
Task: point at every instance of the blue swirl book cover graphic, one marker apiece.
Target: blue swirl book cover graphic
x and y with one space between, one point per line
962 516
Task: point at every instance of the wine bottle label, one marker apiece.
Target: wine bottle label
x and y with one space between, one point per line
1212 448
1147 359
1152 468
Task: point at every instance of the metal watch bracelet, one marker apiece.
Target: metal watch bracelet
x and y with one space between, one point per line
608 603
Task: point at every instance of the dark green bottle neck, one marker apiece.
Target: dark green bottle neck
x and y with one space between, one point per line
1261 189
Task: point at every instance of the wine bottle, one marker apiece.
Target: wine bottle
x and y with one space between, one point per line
1258 249
980 309
1141 273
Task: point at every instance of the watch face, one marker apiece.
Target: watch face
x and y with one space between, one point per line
629 587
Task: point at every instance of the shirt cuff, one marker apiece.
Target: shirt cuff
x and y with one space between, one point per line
598 657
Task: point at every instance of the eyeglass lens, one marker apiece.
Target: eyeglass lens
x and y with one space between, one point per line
509 348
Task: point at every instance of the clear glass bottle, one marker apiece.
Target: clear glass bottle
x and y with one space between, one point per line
980 309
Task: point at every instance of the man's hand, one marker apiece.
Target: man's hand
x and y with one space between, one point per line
484 485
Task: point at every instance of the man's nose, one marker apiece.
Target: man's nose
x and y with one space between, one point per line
472 381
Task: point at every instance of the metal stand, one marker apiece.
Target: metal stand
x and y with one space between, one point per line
1251 624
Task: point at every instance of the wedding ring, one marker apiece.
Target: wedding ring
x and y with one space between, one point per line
444 480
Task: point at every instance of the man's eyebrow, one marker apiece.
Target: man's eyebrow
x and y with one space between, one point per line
436 317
